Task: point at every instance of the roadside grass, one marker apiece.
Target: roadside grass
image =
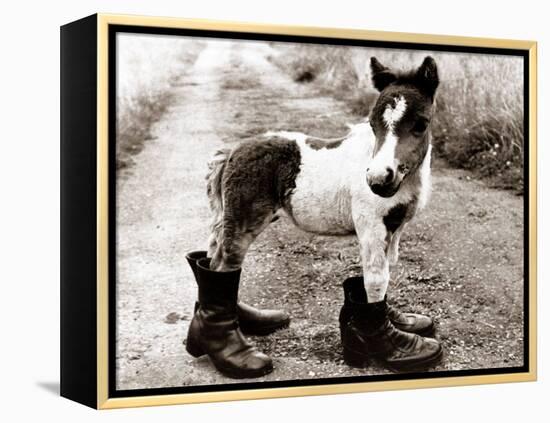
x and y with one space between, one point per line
134 122
149 71
479 112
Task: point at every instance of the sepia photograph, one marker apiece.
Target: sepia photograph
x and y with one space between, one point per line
300 211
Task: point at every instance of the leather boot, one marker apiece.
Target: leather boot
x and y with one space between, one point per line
215 331
252 321
407 322
369 334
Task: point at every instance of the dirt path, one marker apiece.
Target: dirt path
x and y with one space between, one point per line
461 260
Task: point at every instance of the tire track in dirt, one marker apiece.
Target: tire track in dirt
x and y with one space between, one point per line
470 280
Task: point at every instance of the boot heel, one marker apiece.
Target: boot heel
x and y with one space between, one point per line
355 359
193 348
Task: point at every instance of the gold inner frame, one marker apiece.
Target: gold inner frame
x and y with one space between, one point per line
103 400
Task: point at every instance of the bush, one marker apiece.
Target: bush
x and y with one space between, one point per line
479 121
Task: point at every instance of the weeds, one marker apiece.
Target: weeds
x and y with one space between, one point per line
149 69
134 122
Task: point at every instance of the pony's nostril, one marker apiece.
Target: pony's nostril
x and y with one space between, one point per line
389 175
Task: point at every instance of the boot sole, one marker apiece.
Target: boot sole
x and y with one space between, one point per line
239 374
429 332
355 359
193 349
417 365
263 331
196 351
360 360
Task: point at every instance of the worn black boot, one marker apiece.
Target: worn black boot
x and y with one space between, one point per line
252 321
369 334
407 322
215 331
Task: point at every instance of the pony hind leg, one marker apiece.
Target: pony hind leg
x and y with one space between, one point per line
253 186
234 240
214 239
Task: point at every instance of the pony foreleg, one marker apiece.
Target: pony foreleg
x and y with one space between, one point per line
393 249
376 273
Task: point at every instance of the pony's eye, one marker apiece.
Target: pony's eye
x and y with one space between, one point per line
420 126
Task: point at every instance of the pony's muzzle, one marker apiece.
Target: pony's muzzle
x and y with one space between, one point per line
382 182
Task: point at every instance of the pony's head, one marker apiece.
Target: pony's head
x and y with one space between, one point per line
400 119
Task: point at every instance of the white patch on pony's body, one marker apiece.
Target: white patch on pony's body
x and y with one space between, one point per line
321 201
331 191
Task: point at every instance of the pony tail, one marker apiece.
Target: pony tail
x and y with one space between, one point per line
216 167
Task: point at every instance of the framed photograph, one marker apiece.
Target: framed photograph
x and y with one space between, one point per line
256 211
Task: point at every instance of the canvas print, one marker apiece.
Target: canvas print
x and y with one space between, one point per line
292 211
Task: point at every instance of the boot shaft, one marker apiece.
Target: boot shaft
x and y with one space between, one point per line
369 328
216 314
363 325
214 329
369 333
371 316
192 258
354 292
217 288
353 288
252 321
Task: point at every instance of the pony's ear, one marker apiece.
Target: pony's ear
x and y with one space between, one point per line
381 75
427 76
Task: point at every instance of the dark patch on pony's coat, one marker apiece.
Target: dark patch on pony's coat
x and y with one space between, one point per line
259 176
316 144
258 179
395 217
